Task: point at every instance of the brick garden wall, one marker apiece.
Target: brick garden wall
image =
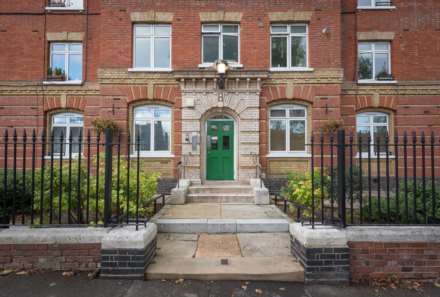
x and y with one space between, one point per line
76 257
405 261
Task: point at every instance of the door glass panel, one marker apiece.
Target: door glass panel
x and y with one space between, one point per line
214 127
226 128
214 143
226 144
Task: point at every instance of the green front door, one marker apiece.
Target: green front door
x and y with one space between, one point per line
220 150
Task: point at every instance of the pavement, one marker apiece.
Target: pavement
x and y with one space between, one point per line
55 285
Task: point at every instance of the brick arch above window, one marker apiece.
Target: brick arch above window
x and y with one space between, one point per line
53 103
287 91
376 101
166 93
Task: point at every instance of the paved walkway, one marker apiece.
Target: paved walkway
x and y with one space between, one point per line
220 211
54 285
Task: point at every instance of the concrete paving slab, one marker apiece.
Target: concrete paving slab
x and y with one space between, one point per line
191 211
218 245
173 247
217 226
182 225
262 225
264 244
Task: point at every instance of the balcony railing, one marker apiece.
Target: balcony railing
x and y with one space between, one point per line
65 4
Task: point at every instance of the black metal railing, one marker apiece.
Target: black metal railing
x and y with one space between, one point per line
93 180
360 180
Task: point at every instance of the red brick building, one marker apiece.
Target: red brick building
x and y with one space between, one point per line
295 66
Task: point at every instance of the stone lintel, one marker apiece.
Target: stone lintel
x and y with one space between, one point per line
375 35
151 16
65 36
290 16
220 16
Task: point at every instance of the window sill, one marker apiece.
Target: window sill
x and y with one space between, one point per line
149 69
64 82
210 65
52 8
288 155
376 7
295 69
65 157
152 155
364 156
377 82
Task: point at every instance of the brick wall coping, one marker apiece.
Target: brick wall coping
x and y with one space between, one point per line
26 235
129 238
327 236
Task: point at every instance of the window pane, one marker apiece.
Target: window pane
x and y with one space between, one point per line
144 132
279 29
211 28
297 135
278 113
57 132
74 132
162 30
279 51
230 48
210 48
143 31
380 119
58 61
381 46
161 135
230 29
364 46
364 2
76 120
299 52
75 67
162 52
379 134
381 64
143 113
364 132
162 113
58 47
363 120
296 113
299 29
59 120
76 47
226 145
365 66
142 52
277 135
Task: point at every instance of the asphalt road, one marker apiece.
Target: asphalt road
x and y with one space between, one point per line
55 285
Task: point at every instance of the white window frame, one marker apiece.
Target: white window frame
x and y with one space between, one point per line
68 125
151 121
220 33
287 118
373 51
373 5
288 34
152 38
371 126
67 53
70 5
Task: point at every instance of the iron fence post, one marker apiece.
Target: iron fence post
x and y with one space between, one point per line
108 176
341 177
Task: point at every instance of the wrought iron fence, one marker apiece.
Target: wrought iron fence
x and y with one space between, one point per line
359 180
91 180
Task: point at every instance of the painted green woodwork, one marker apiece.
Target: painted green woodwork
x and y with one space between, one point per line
220 150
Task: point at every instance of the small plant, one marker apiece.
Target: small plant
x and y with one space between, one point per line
102 124
332 126
384 75
56 73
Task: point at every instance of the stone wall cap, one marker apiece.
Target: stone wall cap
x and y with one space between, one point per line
27 235
320 236
129 238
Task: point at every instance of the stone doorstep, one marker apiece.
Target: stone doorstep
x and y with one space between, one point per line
213 226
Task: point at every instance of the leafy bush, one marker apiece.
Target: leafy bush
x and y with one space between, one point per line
147 189
399 215
299 190
23 193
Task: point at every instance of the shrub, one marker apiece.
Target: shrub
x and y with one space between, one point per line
299 190
23 193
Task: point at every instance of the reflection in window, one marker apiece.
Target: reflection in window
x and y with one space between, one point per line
66 126
220 42
372 126
152 46
289 46
374 61
287 128
65 62
152 128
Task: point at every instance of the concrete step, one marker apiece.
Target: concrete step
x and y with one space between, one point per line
217 189
220 198
284 268
219 226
